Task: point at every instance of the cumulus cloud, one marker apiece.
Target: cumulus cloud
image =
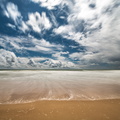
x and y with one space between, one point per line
10 61
7 59
20 44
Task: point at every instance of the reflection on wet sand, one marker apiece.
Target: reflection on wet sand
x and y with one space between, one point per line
27 86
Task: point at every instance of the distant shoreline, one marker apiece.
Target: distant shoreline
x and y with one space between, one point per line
58 69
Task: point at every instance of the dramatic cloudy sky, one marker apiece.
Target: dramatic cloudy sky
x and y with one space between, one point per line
60 34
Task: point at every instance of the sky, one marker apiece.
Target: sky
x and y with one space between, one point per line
80 34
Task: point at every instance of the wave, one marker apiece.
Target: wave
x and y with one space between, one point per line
29 86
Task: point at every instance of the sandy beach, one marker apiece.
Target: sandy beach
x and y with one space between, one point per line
60 95
62 110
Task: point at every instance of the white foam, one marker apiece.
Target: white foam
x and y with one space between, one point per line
29 86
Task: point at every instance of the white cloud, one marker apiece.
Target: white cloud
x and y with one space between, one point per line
7 59
10 60
76 56
49 4
63 61
44 43
11 26
12 12
35 21
83 19
19 44
60 56
38 22
13 42
68 31
23 27
63 29
58 64
105 44
39 49
95 25
44 46
53 19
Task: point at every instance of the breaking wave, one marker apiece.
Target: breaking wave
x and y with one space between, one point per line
28 86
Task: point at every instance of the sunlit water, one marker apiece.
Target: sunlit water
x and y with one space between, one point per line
26 86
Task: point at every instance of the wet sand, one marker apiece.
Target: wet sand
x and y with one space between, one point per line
24 86
60 95
62 110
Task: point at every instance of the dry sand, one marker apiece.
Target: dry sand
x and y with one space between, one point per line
62 110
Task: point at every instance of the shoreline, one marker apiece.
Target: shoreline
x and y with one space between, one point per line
25 86
59 69
99 89
60 100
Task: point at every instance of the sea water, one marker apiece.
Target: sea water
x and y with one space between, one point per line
19 86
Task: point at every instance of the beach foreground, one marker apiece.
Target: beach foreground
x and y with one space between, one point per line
62 110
